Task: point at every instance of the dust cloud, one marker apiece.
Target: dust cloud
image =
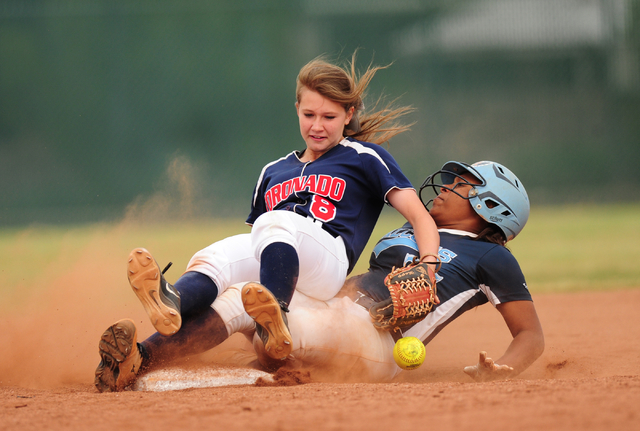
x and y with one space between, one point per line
52 322
177 197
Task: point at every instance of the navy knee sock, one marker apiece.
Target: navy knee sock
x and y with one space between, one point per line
197 293
197 335
279 269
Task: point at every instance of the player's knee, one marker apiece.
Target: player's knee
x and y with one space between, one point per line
275 220
273 226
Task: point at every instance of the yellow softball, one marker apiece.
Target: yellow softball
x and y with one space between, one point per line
409 353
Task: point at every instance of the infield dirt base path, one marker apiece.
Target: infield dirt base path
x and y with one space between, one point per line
587 379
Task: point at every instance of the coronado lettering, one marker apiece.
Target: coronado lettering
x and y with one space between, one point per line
321 185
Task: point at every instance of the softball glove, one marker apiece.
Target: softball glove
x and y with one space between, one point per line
413 295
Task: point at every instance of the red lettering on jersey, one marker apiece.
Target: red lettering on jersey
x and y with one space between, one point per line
275 191
287 188
311 183
323 185
268 200
320 185
322 209
338 185
298 183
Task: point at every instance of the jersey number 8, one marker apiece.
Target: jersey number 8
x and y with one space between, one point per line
322 209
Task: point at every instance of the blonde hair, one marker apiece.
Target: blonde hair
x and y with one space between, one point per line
345 87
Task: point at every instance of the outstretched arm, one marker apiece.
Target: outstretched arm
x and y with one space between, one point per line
407 203
527 344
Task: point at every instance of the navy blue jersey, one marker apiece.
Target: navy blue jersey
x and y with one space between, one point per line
346 189
472 273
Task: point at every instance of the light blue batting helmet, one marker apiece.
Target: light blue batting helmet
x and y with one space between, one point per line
500 198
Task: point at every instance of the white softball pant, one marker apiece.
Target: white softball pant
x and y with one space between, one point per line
333 339
323 258
336 341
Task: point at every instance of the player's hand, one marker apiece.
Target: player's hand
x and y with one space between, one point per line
486 370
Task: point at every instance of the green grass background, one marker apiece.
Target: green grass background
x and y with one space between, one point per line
565 248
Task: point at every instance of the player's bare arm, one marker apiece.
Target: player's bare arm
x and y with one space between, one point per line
407 203
528 340
527 344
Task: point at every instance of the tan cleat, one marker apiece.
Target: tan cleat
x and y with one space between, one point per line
121 359
271 322
160 299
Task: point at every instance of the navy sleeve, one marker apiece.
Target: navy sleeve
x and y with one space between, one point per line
501 278
384 172
258 205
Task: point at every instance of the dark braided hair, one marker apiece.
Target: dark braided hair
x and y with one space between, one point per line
493 234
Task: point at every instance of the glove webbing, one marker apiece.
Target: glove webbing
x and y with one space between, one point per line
417 293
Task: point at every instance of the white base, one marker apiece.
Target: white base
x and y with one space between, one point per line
175 379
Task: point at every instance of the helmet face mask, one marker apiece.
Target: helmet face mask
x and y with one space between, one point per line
498 197
445 178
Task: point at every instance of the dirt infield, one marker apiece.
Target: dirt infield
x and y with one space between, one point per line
587 379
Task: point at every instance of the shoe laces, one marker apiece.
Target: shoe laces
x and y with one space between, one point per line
283 305
166 268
